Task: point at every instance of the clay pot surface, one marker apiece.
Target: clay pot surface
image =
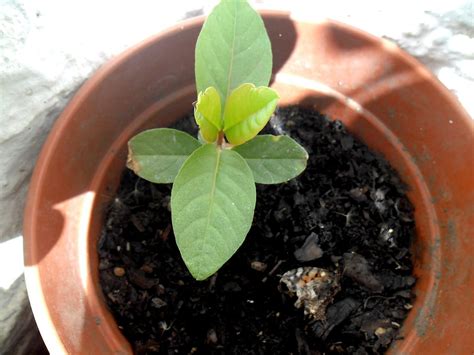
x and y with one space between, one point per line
384 96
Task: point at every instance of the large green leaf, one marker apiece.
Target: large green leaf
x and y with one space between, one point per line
273 159
212 205
207 113
247 111
157 154
233 48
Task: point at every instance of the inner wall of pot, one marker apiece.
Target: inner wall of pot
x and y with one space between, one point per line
295 91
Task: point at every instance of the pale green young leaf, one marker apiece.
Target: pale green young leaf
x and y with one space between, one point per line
207 113
232 48
200 138
212 205
273 159
247 111
157 154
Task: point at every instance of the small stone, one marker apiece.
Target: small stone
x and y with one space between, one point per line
160 289
396 325
358 193
163 325
139 278
104 264
119 271
404 294
398 313
310 250
372 326
258 266
212 336
379 200
357 268
158 302
384 335
147 268
113 297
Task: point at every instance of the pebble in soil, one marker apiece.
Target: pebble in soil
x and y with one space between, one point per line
347 213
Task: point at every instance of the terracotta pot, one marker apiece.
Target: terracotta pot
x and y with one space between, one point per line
384 97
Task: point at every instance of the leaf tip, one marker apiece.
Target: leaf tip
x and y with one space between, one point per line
200 271
201 277
273 92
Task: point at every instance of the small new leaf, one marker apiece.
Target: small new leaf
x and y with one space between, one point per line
157 154
212 205
207 113
247 111
273 159
232 48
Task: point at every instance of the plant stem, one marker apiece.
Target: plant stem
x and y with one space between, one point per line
220 139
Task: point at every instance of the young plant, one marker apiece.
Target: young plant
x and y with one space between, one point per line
213 195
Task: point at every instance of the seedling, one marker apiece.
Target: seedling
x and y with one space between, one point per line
213 195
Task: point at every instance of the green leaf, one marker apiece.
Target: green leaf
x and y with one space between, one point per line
247 111
212 205
157 154
232 48
207 113
273 159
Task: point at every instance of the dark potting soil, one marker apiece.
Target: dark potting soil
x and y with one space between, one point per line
347 214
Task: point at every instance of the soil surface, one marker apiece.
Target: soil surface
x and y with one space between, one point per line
345 219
